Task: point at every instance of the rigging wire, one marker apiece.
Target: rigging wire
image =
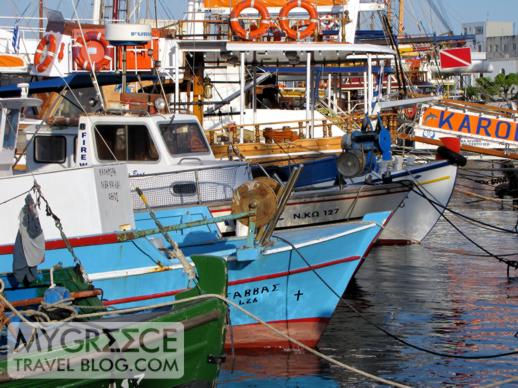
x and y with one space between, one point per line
509 263
385 331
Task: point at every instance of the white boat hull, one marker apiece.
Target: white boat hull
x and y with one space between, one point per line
331 205
416 217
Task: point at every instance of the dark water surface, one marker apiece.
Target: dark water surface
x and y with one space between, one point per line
438 295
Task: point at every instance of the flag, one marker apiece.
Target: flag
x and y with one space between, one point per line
16 38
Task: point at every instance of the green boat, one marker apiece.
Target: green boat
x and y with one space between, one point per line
203 320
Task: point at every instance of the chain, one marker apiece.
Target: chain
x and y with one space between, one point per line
59 226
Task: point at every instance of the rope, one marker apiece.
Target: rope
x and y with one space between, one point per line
17 196
458 214
201 297
13 309
259 320
59 226
485 198
509 263
500 383
393 336
92 67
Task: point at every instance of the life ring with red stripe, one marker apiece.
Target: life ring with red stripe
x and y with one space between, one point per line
293 33
250 34
45 52
100 61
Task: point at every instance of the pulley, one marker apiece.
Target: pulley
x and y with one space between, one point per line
258 195
351 163
270 182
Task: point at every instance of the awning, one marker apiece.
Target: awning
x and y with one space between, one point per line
75 81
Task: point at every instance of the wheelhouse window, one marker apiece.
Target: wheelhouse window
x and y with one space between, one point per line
50 149
183 138
125 143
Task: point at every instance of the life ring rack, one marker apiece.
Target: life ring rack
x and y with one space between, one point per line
48 44
81 57
296 34
250 34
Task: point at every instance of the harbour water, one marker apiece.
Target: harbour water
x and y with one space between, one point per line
441 295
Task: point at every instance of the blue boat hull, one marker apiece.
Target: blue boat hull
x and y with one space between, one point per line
296 290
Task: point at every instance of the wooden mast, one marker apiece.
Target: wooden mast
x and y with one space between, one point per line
401 27
41 19
389 10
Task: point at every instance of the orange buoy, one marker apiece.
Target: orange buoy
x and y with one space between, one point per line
293 33
100 53
250 34
45 52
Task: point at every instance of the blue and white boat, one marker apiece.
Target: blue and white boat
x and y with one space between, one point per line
358 166
294 282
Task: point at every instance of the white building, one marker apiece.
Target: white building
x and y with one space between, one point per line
484 30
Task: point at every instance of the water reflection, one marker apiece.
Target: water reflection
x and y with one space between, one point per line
442 295
277 369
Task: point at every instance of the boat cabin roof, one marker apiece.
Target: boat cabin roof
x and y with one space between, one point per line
119 119
277 52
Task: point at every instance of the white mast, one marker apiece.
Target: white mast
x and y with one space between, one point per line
97 11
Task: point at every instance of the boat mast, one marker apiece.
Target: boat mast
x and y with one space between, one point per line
97 11
389 9
115 10
401 26
41 19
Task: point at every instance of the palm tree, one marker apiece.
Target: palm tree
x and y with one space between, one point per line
502 87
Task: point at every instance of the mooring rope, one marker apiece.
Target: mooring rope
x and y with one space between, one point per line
458 214
229 303
385 331
422 190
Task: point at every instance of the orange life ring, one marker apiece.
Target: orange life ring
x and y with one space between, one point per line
238 28
101 60
48 46
296 34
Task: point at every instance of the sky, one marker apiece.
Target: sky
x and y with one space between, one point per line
455 11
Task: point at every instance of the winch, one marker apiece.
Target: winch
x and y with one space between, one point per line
359 149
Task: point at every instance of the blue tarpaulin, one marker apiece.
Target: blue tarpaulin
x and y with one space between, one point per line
75 81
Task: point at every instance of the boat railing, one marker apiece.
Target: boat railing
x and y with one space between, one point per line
30 27
216 26
271 132
282 131
211 184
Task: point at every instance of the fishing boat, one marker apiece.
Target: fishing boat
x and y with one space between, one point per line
202 320
304 271
174 165
127 257
414 218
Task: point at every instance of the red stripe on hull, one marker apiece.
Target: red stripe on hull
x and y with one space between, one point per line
354 197
292 272
256 336
139 298
75 242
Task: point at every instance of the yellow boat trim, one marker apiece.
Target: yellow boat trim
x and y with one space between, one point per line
443 178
